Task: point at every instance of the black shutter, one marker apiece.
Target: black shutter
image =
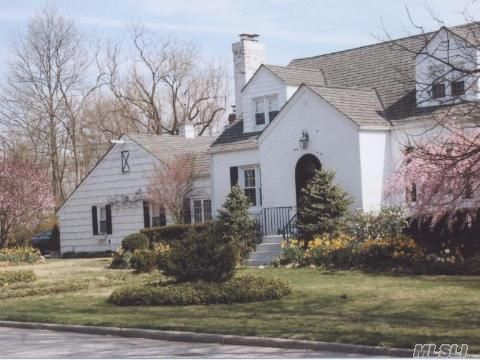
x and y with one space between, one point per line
233 176
94 220
108 213
146 215
187 216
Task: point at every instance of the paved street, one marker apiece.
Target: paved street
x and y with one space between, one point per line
26 343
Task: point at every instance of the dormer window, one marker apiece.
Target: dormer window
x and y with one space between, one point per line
438 90
266 108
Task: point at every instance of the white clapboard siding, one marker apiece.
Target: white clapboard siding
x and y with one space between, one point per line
104 182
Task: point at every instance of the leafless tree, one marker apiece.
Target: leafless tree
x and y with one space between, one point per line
170 184
45 92
165 83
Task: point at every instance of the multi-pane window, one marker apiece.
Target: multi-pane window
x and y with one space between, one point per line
202 210
458 88
266 108
438 90
207 210
103 220
158 216
249 185
272 108
260 111
125 165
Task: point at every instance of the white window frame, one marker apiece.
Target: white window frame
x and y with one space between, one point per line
100 220
203 214
258 182
266 109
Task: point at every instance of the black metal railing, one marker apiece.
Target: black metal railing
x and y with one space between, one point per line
290 230
272 221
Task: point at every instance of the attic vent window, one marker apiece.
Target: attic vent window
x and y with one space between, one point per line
438 90
125 166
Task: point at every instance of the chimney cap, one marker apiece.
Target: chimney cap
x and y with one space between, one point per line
249 37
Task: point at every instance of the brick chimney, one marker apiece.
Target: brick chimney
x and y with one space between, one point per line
248 55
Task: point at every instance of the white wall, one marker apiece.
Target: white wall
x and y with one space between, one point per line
105 183
220 173
264 83
334 141
374 156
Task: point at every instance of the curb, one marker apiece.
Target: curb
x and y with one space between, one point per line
214 338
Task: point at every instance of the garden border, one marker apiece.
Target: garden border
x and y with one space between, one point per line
214 338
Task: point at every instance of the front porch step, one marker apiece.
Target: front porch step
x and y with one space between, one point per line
269 248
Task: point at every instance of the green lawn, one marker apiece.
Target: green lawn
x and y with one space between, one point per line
341 306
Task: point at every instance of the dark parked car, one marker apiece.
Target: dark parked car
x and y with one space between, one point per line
46 241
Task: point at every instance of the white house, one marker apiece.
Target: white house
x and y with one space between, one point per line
350 110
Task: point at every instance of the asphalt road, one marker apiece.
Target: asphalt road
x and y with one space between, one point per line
27 343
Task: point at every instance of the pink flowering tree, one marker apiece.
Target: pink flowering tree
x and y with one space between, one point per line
170 184
25 196
440 174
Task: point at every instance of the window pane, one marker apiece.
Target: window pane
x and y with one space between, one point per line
103 226
259 112
207 210
197 211
272 104
458 88
251 194
249 178
125 165
259 106
438 90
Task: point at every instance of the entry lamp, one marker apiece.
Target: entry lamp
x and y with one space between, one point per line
303 140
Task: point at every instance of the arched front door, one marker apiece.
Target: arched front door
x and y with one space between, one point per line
304 171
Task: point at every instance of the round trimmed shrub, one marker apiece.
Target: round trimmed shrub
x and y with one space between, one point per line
247 288
199 257
136 241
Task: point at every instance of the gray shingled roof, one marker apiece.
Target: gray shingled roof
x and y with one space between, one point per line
386 68
297 76
361 105
233 138
168 147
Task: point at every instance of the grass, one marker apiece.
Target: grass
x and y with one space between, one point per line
343 306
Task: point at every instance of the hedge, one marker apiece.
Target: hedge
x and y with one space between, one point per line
87 255
170 233
242 289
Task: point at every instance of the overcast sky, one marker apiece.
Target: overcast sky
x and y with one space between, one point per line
289 28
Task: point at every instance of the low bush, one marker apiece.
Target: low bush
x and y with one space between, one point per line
146 261
136 241
200 257
245 288
338 251
19 255
121 259
293 252
390 252
365 225
171 233
12 277
87 255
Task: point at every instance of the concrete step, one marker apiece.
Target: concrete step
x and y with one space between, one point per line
276 239
257 255
268 247
258 262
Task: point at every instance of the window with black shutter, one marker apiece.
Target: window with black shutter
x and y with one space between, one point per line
146 215
233 176
108 215
94 220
